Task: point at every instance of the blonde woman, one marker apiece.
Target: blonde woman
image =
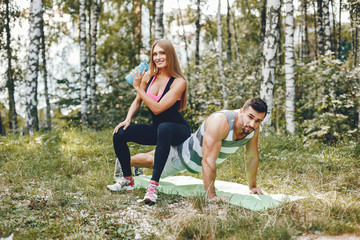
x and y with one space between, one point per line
164 91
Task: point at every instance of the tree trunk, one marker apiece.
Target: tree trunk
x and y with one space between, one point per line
263 20
358 39
321 26
152 22
352 39
306 31
185 41
219 49
2 128
44 69
333 36
145 32
339 31
95 12
33 66
228 55
269 57
10 81
83 63
197 47
327 31
236 39
301 41
316 34
289 67
159 24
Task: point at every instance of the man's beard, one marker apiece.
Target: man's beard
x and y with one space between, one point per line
247 130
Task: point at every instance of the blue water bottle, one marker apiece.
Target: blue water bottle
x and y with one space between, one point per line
129 78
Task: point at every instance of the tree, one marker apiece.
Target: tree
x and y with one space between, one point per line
181 22
83 62
197 40
45 73
228 53
219 50
10 81
269 56
2 128
33 66
321 26
327 32
159 24
339 32
95 12
236 38
316 52
289 67
306 31
263 19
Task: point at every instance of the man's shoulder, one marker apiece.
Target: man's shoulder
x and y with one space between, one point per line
217 125
217 118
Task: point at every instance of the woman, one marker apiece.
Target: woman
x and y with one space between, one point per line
163 89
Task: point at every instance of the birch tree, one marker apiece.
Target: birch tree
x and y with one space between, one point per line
339 31
269 57
306 30
159 24
219 50
197 41
320 26
95 12
228 55
45 78
316 34
181 22
236 38
10 81
33 66
83 62
289 67
326 18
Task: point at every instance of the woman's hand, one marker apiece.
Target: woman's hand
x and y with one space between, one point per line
137 75
124 124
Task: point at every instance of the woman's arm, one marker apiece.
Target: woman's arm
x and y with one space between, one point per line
134 107
169 99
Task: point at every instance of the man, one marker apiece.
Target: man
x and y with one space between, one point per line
219 136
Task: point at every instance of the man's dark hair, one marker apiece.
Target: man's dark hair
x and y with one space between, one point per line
257 104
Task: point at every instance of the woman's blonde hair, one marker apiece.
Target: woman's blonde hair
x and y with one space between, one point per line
173 66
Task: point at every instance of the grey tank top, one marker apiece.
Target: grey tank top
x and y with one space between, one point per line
190 152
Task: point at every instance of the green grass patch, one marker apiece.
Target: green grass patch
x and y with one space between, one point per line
53 187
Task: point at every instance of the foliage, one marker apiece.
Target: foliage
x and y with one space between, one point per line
325 101
53 186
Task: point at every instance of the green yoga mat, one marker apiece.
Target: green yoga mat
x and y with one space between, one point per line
237 193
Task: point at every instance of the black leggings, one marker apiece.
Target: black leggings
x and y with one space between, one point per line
166 134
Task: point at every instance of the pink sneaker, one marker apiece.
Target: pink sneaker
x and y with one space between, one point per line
151 193
124 184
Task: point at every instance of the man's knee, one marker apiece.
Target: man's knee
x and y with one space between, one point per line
143 160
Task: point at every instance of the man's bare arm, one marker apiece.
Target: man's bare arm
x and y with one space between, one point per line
216 129
252 163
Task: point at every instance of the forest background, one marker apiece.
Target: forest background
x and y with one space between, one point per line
303 62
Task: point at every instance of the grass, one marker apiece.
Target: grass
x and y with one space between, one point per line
53 187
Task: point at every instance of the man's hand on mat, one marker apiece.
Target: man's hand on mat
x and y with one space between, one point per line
218 199
256 190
